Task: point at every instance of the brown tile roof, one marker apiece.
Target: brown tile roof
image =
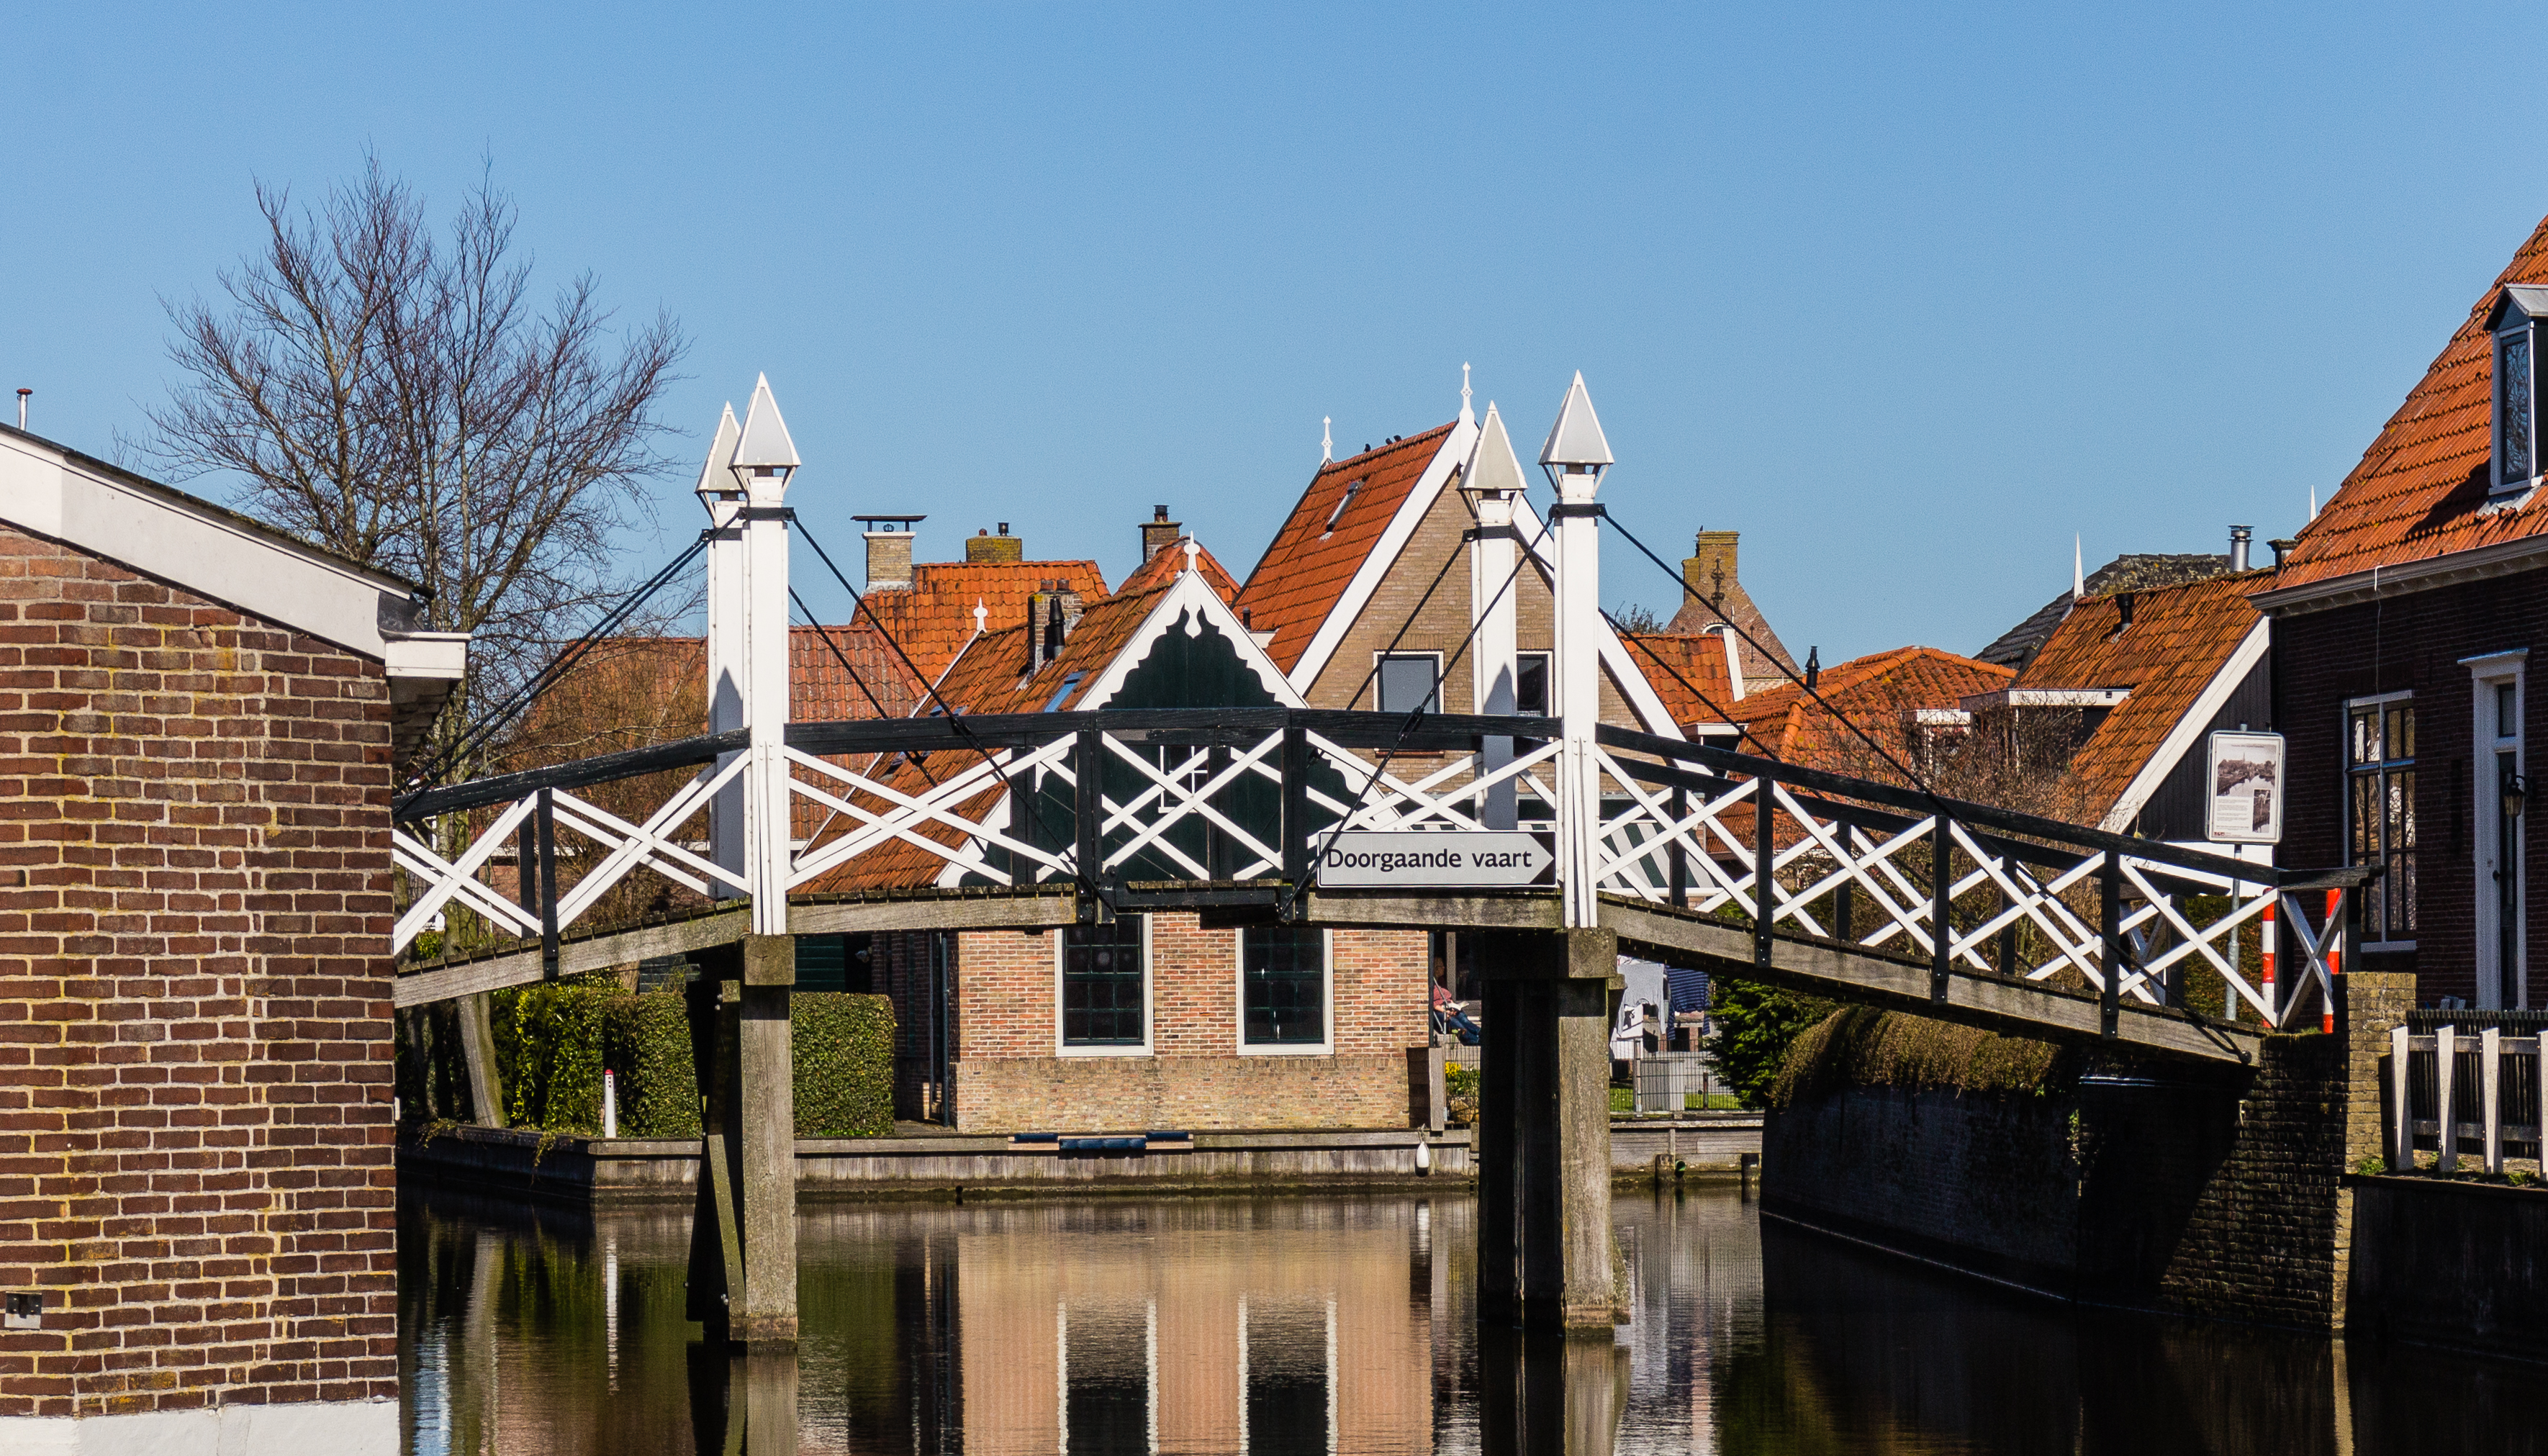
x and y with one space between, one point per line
1305 572
1872 693
836 673
1770 659
1166 564
933 616
2417 492
2017 646
1688 671
2179 639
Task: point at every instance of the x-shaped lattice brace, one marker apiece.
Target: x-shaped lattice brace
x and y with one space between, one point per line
1177 803
1623 863
909 813
444 880
2193 941
630 846
2319 951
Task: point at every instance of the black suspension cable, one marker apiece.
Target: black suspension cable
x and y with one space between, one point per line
475 735
1861 734
1741 730
843 659
1084 874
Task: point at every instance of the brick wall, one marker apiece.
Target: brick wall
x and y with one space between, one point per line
1009 1077
2413 641
2159 1185
195 1053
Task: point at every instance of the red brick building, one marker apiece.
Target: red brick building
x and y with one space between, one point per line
198 724
2404 619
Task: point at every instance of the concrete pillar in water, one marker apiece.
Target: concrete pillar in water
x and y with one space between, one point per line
478 1053
743 1233
767 1312
1544 1139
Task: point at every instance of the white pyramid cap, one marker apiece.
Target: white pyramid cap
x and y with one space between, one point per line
1493 466
716 473
1575 438
765 435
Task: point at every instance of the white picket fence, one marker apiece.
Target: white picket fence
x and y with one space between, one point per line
2453 1088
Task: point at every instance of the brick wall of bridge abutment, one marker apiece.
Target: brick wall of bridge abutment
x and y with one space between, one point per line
1009 1073
195 1119
2210 1192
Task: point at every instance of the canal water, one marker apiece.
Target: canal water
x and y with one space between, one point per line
1284 1325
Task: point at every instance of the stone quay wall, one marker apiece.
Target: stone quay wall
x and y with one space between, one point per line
195 1119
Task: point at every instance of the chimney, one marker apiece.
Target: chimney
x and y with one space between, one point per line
888 550
2238 538
1052 613
983 546
2281 544
21 408
1159 532
1711 571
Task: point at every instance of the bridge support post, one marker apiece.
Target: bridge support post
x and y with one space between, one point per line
743 1238
1544 1243
477 1053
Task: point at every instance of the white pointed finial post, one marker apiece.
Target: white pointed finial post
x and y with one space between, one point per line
1193 550
765 462
729 657
981 617
1491 484
1327 438
2078 571
1466 417
1575 457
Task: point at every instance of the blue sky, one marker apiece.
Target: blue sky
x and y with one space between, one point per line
1906 298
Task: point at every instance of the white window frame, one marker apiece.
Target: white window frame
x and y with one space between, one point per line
1150 999
1245 1348
1547 680
2345 756
2486 674
2499 485
1326 1045
1379 658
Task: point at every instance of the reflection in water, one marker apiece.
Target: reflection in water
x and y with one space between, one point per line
1344 1325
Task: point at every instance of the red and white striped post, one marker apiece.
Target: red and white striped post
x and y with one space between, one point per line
2273 1007
2334 948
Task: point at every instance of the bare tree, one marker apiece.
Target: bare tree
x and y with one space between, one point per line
401 400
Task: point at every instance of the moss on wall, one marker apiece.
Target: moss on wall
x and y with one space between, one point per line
1862 1047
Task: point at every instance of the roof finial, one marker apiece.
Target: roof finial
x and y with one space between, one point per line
2313 503
1327 439
981 617
1191 549
2078 579
1467 416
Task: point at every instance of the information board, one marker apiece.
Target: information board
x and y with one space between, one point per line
2244 789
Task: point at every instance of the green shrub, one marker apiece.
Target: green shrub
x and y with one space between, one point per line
647 1042
548 1051
1751 1027
843 1064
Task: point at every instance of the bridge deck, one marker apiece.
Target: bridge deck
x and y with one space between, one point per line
2006 1004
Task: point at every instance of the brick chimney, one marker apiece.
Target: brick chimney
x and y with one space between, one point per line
983 546
888 550
1711 571
1052 614
1159 532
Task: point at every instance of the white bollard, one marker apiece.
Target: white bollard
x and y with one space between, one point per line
609 1103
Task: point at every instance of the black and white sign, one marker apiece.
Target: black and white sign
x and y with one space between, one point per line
1464 859
2244 789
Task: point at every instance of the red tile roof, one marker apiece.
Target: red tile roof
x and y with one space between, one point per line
2179 639
1164 566
2417 493
1305 572
837 672
1872 693
933 616
1688 672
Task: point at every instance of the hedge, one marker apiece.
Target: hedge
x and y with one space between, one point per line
552 1042
1862 1047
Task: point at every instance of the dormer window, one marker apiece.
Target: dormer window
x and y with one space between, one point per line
2515 322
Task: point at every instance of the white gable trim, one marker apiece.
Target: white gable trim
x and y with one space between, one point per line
1448 456
2189 729
55 492
1630 679
1189 594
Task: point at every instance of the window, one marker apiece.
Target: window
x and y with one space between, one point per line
1105 994
1530 683
2515 322
1283 987
2379 770
1410 682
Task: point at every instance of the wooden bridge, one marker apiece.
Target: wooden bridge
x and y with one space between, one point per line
1662 848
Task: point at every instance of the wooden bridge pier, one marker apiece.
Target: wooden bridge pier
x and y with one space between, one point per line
743 1233
1544 1134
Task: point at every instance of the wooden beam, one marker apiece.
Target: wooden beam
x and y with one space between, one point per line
2010 1007
1448 910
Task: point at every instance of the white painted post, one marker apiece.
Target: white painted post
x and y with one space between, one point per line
765 459
2489 1061
609 1103
723 498
2446 1052
1491 484
1576 458
2402 1111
